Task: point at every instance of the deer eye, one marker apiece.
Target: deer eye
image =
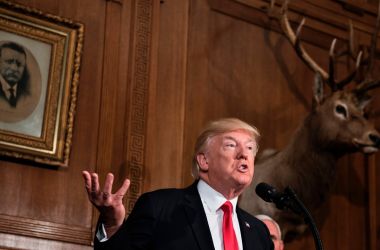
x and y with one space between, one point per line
341 110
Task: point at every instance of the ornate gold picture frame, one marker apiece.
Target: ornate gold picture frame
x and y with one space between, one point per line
39 71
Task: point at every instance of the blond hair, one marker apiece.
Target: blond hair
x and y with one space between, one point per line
216 128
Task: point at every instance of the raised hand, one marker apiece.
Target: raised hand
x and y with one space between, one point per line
110 206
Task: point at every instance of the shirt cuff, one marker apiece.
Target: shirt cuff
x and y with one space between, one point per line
101 233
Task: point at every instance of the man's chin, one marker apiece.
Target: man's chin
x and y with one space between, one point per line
245 181
11 83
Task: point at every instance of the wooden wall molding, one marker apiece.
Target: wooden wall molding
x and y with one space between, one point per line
45 230
116 1
138 114
325 20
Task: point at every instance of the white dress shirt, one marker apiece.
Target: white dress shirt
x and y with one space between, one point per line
212 201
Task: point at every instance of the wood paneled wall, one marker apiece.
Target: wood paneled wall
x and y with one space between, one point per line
153 73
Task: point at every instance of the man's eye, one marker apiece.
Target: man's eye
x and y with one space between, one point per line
231 145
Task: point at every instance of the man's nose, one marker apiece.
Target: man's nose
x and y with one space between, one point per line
242 153
13 66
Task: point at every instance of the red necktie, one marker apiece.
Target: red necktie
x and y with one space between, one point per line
229 236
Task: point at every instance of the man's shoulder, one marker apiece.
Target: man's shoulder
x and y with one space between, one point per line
260 230
246 214
168 194
250 218
163 193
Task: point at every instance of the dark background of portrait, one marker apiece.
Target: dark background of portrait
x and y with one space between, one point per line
152 74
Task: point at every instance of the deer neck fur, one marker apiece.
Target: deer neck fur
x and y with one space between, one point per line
313 161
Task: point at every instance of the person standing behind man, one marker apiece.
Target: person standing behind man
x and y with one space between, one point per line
274 230
201 216
13 73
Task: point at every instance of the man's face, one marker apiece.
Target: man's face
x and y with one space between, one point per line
12 65
275 235
228 163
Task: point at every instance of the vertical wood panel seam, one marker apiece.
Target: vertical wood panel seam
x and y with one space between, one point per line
184 101
99 168
372 215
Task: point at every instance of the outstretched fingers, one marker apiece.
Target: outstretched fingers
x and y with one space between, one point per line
93 188
94 183
104 197
89 183
110 206
87 180
123 189
107 189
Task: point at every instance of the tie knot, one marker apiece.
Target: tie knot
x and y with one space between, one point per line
227 207
11 90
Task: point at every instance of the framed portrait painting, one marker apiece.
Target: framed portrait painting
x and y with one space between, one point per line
39 71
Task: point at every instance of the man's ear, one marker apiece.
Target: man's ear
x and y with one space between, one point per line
281 245
202 162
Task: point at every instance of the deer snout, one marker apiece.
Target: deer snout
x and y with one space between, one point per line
375 138
370 143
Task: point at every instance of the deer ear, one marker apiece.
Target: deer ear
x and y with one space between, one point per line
317 89
364 101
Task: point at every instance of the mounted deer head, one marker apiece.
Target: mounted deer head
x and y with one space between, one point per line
336 126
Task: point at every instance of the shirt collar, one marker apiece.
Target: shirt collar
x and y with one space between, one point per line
5 86
212 198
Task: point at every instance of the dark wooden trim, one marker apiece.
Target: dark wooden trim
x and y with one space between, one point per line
116 1
372 202
45 230
325 20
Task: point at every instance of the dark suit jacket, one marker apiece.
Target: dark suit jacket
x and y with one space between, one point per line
2 94
23 87
175 219
21 91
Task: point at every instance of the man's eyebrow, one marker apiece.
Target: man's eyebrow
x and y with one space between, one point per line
228 137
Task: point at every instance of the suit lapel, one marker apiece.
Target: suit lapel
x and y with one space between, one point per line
2 92
246 232
197 218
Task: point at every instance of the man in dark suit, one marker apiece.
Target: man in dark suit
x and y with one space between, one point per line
13 73
202 216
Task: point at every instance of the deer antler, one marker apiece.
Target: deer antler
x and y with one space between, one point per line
294 38
368 83
301 52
